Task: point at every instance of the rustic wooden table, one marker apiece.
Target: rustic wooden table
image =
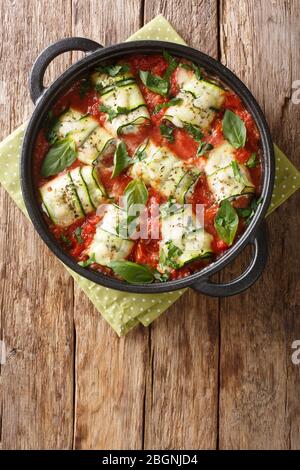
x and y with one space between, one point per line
209 373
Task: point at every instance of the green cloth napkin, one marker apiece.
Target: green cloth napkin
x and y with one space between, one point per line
121 310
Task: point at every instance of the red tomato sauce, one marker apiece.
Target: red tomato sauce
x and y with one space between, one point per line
76 238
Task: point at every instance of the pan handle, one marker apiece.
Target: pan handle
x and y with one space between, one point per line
47 55
247 278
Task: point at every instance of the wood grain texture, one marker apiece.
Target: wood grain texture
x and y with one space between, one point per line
182 383
206 374
259 406
110 373
36 292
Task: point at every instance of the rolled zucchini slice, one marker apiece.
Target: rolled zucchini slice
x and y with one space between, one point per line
198 101
207 94
96 146
123 103
75 125
183 240
104 83
92 141
225 176
107 244
164 172
187 113
128 123
72 195
61 201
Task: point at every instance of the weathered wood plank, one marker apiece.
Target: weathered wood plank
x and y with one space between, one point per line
36 292
259 399
182 383
110 372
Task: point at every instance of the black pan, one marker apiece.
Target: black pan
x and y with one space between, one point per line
44 98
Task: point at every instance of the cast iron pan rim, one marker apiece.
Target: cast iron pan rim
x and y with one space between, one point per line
71 75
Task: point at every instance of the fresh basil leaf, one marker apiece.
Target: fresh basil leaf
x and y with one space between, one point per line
252 162
135 193
168 104
194 131
234 129
66 240
159 85
172 65
203 148
113 70
78 236
85 86
121 159
167 132
60 156
88 262
111 112
155 83
226 222
133 273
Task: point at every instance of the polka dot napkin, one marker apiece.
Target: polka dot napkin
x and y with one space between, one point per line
121 310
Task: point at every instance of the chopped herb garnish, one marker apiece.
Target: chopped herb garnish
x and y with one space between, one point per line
194 131
203 148
162 277
155 83
111 112
88 262
167 132
168 257
66 240
247 213
252 162
78 236
237 172
113 70
168 104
